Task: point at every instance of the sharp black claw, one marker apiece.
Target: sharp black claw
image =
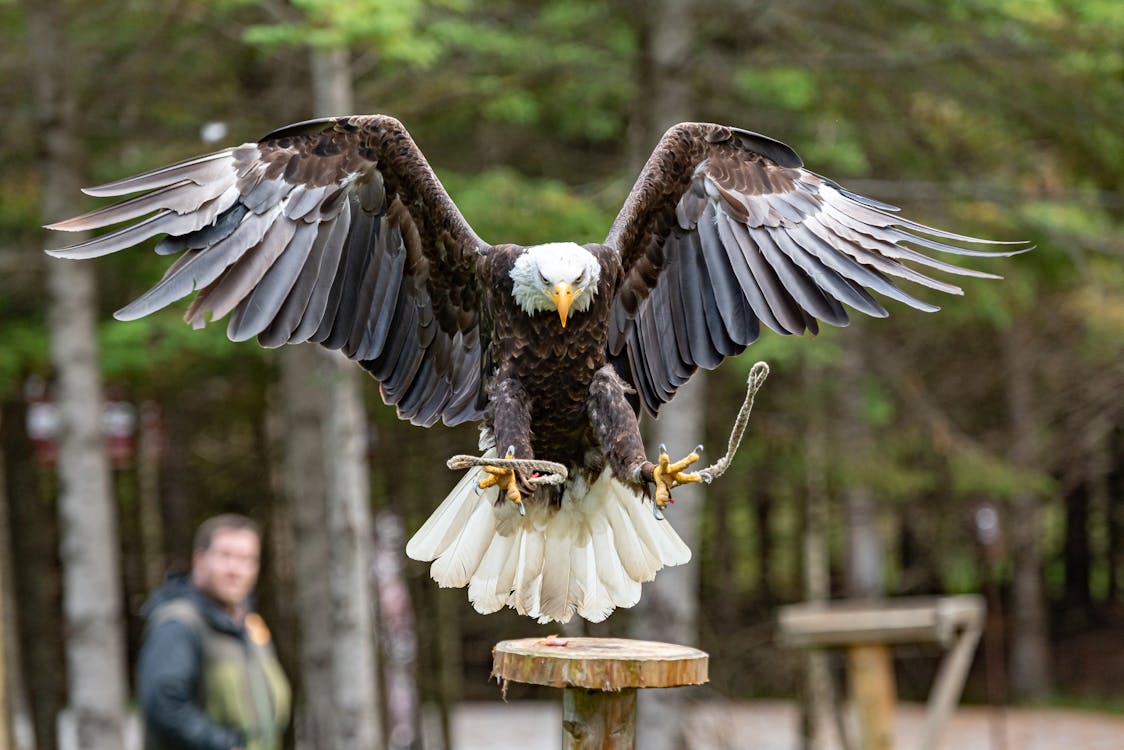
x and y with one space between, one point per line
522 510
699 448
663 447
657 512
706 476
510 450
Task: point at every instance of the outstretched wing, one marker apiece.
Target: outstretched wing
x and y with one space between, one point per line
334 231
725 230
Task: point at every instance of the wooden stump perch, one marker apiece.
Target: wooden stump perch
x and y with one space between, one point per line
599 677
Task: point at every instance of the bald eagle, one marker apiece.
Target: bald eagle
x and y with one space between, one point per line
337 231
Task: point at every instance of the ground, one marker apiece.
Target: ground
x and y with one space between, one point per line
772 725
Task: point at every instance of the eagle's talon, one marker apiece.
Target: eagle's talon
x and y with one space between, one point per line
507 480
666 475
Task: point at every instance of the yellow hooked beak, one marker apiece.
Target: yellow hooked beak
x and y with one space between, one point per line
563 297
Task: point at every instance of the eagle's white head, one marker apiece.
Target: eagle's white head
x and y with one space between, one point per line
558 276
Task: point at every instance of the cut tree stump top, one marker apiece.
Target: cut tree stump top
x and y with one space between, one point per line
598 663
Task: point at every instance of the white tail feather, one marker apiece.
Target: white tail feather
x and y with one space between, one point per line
589 556
495 573
445 523
639 562
457 564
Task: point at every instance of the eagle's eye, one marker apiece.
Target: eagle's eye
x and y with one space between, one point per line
543 280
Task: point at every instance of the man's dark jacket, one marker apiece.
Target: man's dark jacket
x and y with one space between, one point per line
205 681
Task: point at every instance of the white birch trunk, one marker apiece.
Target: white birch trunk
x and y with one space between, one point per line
349 523
343 418
303 374
94 626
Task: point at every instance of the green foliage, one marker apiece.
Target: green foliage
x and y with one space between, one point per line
505 206
162 343
24 352
393 27
783 86
562 66
877 404
785 352
977 473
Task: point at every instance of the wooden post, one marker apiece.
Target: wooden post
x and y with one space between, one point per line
868 630
871 673
597 719
600 677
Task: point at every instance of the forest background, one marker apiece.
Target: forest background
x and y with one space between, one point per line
902 438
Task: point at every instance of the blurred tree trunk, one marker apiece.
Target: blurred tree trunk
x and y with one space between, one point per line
16 723
34 553
1076 554
668 608
328 493
1114 489
763 508
355 668
149 449
8 684
1030 650
302 374
175 484
343 423
818 709
397 633
865 551
92 597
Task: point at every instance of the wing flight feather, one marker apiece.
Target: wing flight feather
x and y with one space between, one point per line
334 231
727 230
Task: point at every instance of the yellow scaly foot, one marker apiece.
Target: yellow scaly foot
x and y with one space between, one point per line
667 475
507 480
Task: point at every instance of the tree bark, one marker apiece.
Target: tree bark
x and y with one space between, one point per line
349 524
7 618
148 496
1114 489
36 635
91 569
865 552
355 696
1077 554
397 633
668 607
818 721
1030 662
302 376
16 723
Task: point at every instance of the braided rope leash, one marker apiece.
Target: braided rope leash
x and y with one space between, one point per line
548 472
753 383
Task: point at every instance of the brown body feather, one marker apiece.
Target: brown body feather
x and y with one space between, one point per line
551 370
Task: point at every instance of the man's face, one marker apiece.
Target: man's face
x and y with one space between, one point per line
228 569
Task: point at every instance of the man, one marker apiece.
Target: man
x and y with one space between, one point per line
207 675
